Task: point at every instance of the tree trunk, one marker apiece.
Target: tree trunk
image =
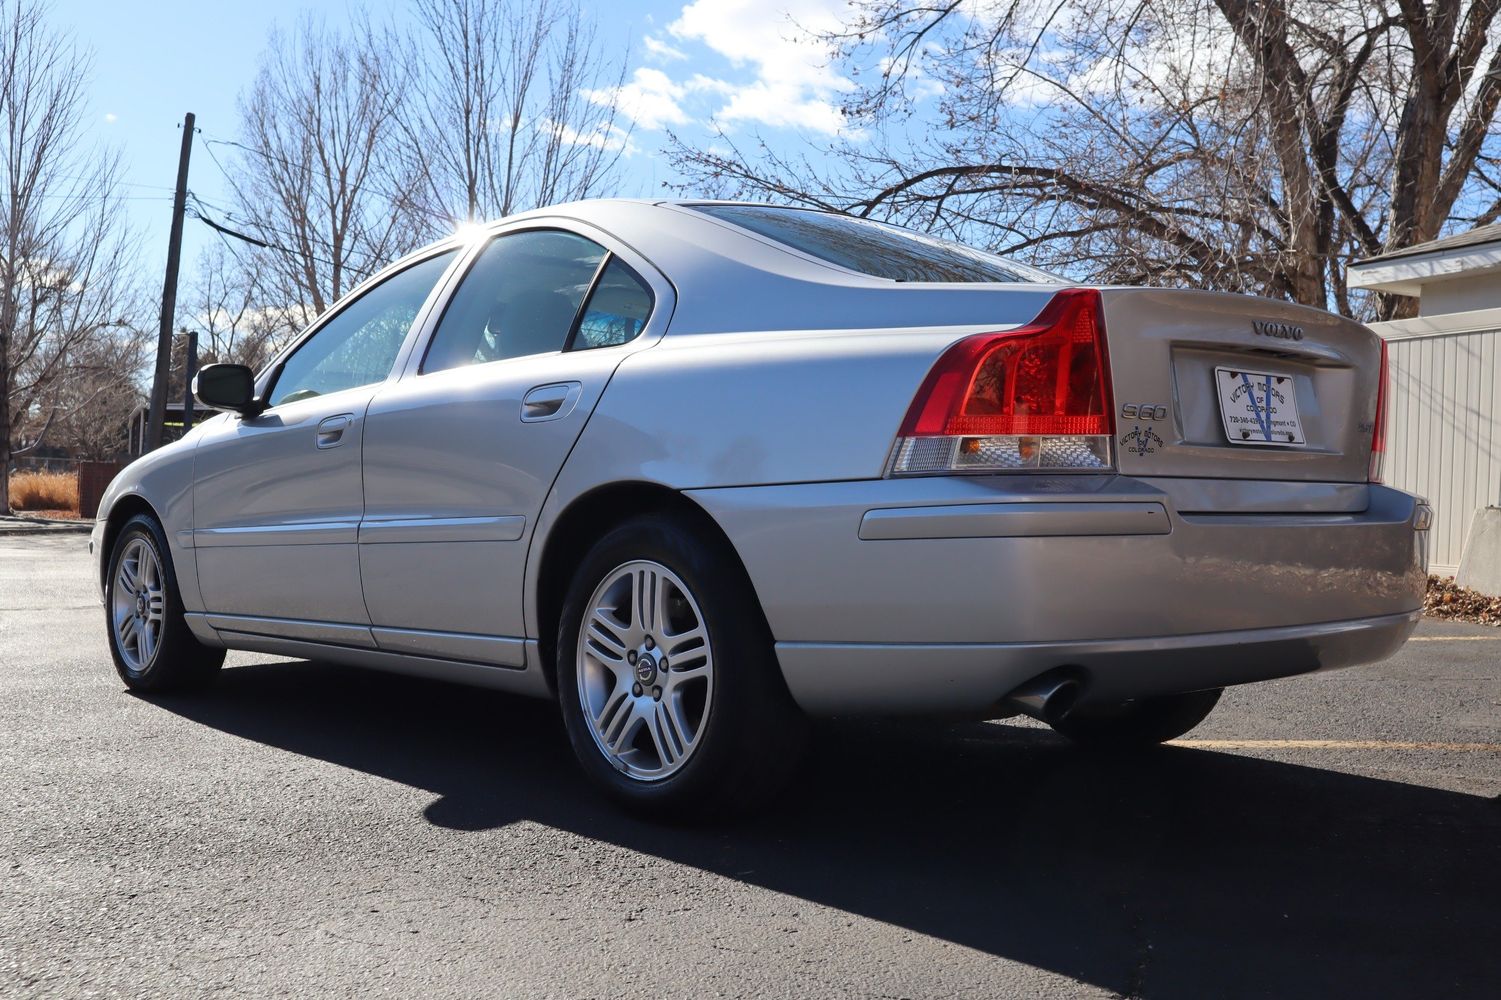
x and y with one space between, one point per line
4 436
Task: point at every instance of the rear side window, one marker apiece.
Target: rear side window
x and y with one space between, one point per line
617 311
520 297
873 248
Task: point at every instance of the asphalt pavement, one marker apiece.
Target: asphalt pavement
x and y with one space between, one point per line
307 830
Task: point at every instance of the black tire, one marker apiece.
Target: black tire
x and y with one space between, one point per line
176 660
752 735
1138 724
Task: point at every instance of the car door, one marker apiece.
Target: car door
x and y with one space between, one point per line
461 452
277 497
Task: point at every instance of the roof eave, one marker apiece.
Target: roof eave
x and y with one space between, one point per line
1406 275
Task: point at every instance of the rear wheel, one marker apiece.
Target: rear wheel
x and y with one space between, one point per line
149 639
1140 723
669 687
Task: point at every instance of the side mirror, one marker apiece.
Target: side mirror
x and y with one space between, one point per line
227 387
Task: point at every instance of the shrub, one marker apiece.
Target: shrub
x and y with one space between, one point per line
44 491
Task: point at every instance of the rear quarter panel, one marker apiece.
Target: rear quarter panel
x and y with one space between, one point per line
733 409
736 409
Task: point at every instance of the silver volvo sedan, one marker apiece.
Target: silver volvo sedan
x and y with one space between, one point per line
701 470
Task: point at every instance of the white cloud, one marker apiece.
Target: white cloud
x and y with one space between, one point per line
661 51
651 99
607 137
774 103
794 84
779 72
110 118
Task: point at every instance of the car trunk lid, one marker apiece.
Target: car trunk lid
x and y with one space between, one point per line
1191 371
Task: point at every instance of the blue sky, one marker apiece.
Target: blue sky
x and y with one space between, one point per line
737 62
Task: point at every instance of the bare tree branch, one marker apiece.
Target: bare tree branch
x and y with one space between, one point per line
1251 145
65 255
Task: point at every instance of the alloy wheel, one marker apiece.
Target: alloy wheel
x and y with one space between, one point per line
645 670
137 604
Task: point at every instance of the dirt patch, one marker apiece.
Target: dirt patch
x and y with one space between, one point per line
1449 601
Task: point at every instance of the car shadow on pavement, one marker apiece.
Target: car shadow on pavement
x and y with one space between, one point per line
1173 873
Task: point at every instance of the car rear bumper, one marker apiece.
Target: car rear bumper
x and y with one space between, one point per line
943 594
974 678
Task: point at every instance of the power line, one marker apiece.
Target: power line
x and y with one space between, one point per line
260 226
224 230
375 260
94 197
118 183
400 200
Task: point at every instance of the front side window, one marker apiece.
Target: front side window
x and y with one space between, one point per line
359 344
521 297
873 248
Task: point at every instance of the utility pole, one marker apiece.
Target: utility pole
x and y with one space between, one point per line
158 412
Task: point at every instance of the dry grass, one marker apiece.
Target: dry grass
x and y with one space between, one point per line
44 491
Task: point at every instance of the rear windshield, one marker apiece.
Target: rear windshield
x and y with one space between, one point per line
873 248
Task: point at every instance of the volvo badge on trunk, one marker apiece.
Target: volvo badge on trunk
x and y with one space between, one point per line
1282 331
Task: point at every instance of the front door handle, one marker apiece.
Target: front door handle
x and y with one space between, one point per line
331 430
549 402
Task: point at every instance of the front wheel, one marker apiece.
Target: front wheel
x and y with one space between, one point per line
1140 723
150 642
669 686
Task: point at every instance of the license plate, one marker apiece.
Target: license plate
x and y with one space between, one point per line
1259 407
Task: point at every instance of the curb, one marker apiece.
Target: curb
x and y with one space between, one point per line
43 526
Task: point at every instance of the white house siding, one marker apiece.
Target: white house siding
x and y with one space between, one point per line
1443 427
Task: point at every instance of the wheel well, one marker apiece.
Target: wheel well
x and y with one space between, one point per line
584 522
124 509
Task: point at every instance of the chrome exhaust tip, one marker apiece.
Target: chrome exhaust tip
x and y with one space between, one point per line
1047 698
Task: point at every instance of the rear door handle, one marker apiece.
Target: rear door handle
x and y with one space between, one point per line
549 402
331 430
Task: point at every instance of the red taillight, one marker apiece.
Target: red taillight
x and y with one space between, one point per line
1033 398
1048 377
1378 433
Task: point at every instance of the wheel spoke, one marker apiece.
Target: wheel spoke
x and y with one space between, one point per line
673 709
661 612
677 677
629 721
126 628
664 738
685 643
606 719
649 586
127 579
146 644
604 636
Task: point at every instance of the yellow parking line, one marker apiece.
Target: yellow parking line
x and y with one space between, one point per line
1338 745
1455 638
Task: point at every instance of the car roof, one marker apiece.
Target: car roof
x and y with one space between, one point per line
729 278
